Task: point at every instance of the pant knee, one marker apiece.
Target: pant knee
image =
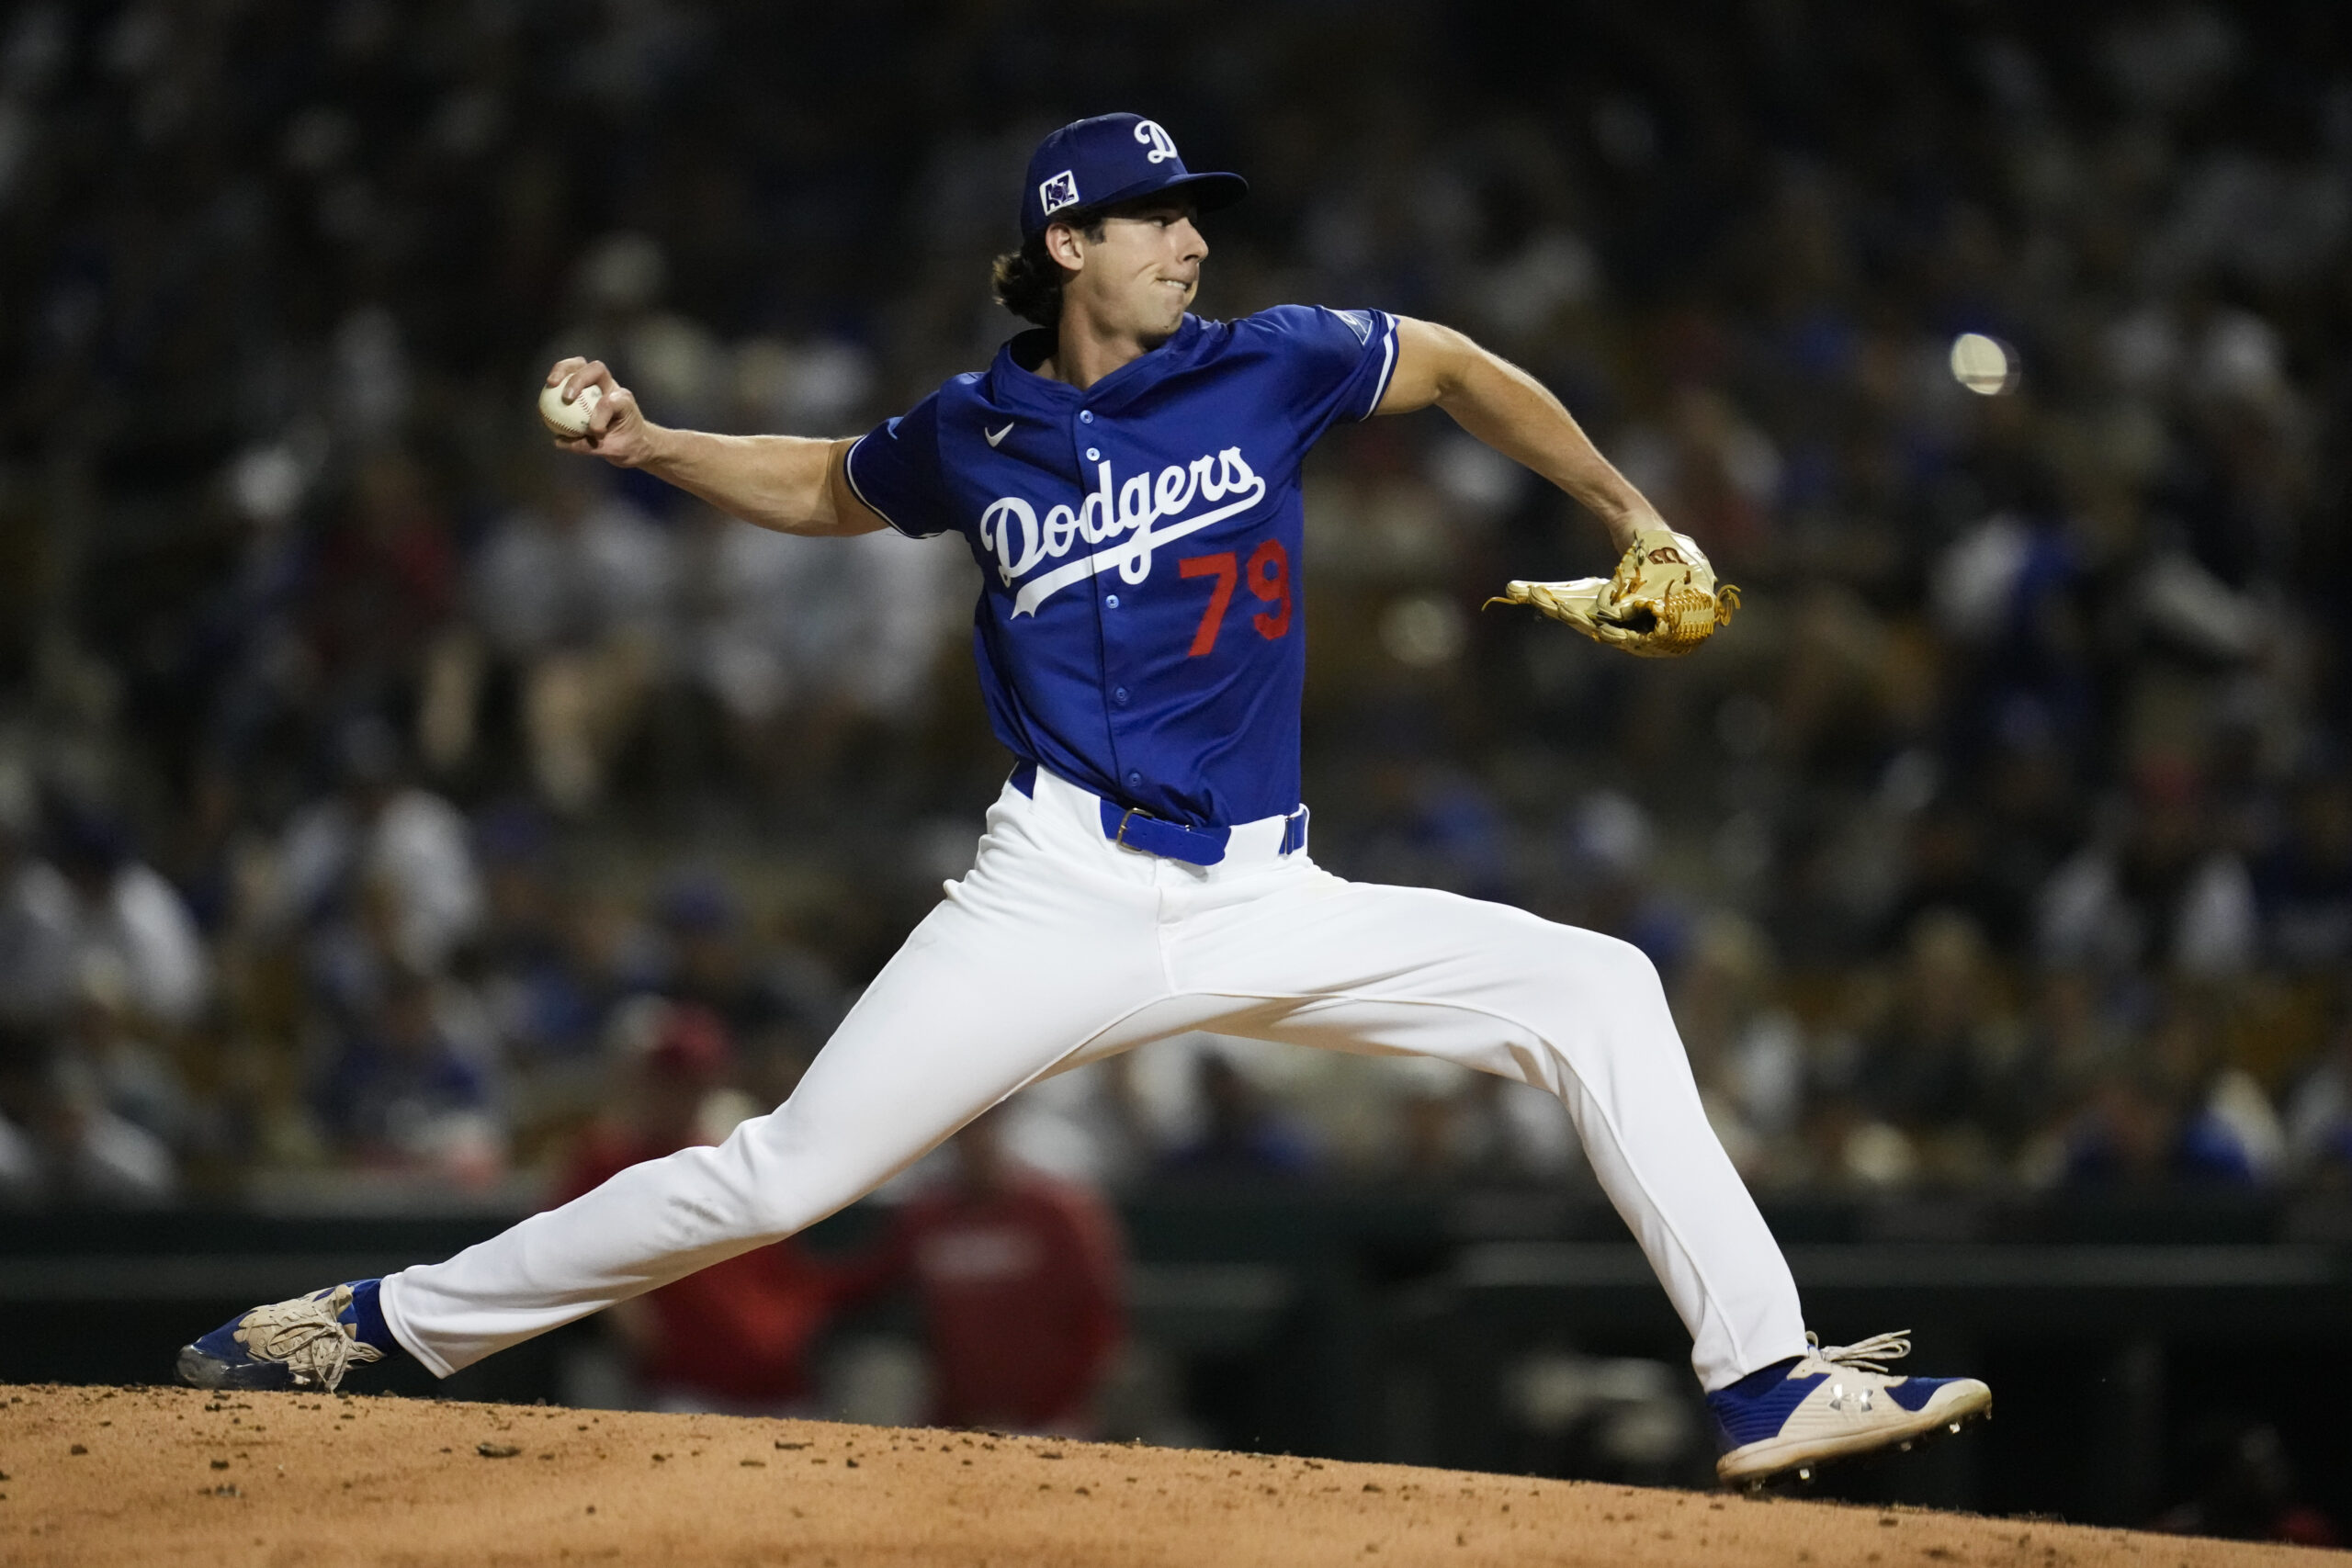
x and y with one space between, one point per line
1592 962
1599 992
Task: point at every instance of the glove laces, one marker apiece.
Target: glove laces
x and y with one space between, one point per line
1863 1356
308 1334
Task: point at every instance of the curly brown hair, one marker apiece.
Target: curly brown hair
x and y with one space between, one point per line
1028 282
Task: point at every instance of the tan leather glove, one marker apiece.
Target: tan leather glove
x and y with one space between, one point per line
1662 603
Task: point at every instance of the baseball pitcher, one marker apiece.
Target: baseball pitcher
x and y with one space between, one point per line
1128 476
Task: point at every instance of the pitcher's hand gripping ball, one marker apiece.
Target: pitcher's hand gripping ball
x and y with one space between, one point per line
1661 603
569 417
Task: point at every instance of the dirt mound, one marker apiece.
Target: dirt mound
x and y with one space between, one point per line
169 1476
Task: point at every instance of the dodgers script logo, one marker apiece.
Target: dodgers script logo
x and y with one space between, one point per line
1128 520
1164 146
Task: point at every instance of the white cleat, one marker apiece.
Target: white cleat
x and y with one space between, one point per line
1833 1403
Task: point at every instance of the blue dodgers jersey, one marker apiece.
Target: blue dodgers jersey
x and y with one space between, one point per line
1140 629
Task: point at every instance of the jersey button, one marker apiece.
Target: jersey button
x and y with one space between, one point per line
1086 416
1135 780
1111 600
1120 696
1093 456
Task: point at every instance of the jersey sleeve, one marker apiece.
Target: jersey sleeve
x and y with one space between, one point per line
894 469
1337 363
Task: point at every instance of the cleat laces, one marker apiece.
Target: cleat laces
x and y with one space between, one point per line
1863 1356
308 1334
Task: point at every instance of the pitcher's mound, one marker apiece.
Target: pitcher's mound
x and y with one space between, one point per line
150 1477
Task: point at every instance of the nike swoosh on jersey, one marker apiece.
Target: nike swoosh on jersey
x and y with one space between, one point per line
996 436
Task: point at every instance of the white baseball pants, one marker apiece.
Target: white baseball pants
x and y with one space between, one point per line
1060 947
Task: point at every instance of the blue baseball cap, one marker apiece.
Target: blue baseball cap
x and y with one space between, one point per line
1112 158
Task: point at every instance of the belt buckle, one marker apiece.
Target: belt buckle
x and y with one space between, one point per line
1120 837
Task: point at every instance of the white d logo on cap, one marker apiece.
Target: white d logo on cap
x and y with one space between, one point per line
1059 192
1162 147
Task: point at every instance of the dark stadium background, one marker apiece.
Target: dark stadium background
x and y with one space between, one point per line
1999 857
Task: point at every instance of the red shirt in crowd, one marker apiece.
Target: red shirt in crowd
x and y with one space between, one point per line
739 1331
1021 1288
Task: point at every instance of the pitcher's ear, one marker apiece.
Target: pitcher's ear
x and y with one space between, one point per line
1065 243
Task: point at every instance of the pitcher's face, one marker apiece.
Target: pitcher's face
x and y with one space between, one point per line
1139 278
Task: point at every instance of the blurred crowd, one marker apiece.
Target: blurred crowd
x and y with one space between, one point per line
377 785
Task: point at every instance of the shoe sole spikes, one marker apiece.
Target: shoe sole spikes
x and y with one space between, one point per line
1801 1472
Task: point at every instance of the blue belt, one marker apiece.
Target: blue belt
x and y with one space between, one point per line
1131 827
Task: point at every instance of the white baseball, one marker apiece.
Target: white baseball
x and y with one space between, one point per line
1986 365
571 417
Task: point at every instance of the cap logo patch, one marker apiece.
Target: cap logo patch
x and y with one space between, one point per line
1060 191
1163 147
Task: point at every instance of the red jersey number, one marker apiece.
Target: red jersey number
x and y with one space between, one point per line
1270 580
1268 575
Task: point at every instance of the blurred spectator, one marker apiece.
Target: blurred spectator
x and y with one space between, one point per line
2304 885
2246 1489
2179 1113
1243 1138
1942 1063
91 903
378 832
412 1083
1458 1126
385 576
2319 1114
2165 893
2032 808
130 1075
736 1336
60 1144
34 944
803 641
550 967
575 592
1748 1053
1951 868
1020 1275
1708 468
1084 1124
1434 826
2129 1133
761 990
1610 845
548 1004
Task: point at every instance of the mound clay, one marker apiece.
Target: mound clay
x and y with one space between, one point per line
168 1477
